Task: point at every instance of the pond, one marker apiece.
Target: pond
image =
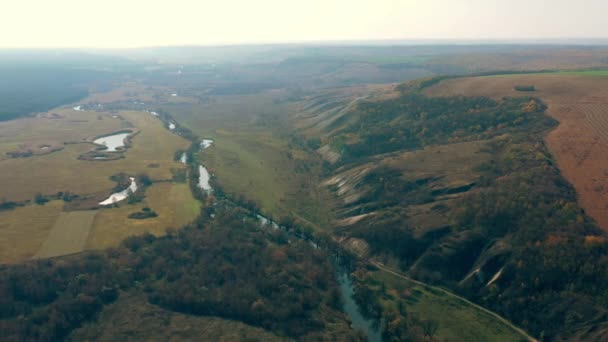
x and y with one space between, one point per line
206 143
203 178
112 142
121 195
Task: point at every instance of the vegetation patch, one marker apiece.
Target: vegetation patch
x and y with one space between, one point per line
525 88
211 269
145 213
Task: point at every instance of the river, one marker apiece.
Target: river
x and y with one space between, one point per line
369 326
121 195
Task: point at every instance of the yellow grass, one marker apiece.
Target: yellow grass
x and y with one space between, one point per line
24 230
68 235
74 126
22 178
173 203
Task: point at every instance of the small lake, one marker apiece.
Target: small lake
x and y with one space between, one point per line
121 195
206 143
203 178
112 142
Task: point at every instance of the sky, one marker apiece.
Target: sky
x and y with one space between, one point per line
141 23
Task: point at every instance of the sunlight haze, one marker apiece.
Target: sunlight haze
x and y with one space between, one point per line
137 23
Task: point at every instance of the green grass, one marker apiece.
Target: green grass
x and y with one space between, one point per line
263 168
457 319
584 73
252 157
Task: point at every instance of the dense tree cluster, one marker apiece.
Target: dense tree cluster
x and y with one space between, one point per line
228 267
413 121
28 89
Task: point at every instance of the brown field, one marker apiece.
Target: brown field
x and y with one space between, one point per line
23 178
580 142
173 203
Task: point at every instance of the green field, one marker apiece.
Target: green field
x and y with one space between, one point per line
584 73
457 319
252 156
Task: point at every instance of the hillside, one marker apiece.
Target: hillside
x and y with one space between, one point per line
463 192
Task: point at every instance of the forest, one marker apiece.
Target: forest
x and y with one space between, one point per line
226 267
27 89
413 121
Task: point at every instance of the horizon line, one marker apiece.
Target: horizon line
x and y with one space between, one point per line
566 41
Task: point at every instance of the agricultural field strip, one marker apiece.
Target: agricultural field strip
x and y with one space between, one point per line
597 115
68 235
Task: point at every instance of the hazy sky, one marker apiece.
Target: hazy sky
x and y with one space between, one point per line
134 23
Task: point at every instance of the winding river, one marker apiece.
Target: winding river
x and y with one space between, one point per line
121 195
351 308
370 327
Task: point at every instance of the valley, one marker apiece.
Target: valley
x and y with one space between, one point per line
459 207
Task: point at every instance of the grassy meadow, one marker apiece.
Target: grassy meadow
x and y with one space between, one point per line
66 126
51 229
23 230
172 202
253 156
152 152
457 319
